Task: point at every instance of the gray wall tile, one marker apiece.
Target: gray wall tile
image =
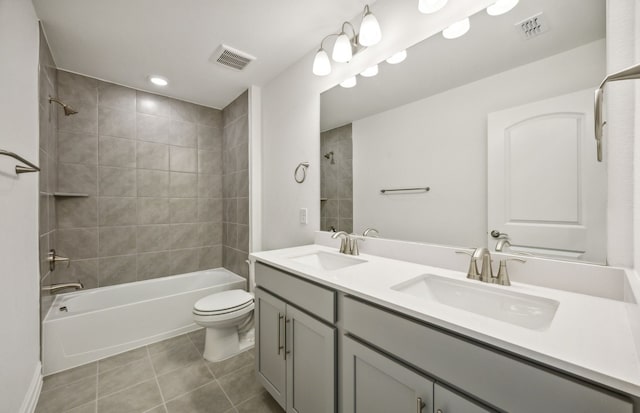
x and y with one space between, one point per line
116 270
184 236
152 128
77 178
153 265
117 152
117 211
209 138
77 148
183 134
209 162
184 111
153 238
117 97
77 212
116 122
117 181
183 159
183 261
77 243
210 233
183 185
152 156
210 257
153 183
84 271
153 211
209 186
116 241
152 104
183 210
209 210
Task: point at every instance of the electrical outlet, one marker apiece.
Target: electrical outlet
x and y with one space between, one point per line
303 216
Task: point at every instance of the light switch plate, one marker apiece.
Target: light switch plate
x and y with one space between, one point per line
303 215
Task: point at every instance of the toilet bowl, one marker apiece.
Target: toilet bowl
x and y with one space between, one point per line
224 315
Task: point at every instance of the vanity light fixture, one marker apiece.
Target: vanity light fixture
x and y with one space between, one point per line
345 46
370 71
349 82
430 6
397 58
457 29
501 7
158 80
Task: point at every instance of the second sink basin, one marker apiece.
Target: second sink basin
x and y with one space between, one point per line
327 261
524 310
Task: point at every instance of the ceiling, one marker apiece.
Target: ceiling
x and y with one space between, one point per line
492 45
125 41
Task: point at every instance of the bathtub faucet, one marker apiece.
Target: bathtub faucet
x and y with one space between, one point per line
54 288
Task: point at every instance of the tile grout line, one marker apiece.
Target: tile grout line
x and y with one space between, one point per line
155 376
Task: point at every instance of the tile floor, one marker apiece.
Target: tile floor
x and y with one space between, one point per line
166 377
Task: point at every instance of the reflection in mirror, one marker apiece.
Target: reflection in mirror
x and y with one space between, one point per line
498 123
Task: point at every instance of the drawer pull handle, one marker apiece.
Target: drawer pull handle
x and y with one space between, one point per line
280 346
286 327
439 411
420 405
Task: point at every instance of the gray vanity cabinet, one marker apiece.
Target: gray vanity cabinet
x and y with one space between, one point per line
295 350
447 401
373 383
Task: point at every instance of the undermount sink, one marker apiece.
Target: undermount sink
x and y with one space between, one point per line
327 261
523 310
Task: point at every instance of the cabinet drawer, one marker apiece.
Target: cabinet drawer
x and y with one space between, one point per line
508 383
313 298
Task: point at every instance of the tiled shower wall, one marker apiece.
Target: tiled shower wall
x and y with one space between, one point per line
235 184
336 188
152 169
47 162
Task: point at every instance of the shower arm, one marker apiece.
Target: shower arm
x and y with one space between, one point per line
629 73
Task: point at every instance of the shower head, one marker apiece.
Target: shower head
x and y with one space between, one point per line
68 110
328 155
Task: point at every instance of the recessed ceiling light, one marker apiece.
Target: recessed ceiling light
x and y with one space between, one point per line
501 7
370 71
397 58
349 82
457 29
158 80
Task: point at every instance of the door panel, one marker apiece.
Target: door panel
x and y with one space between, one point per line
271 365
310 364
545 188
446 401
374 383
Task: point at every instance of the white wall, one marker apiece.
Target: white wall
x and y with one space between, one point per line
291 117
19 318
441 142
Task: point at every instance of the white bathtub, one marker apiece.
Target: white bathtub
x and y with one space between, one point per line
105 321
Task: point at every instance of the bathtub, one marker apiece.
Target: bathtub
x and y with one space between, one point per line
85 326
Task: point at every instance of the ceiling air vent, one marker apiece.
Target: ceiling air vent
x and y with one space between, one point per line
231 58
533 26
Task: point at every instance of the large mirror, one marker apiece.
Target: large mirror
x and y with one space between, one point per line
482 140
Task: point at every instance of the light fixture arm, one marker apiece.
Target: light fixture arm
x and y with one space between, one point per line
629 73
326 37
354 39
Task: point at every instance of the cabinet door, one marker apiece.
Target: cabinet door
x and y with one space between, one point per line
373 383
311 364
271 364
446 401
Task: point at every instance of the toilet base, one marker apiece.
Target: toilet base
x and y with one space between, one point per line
223 343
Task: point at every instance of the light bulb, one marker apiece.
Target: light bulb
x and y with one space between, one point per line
349 82
321 63
342 49
501 7
370 33
370 71
430 6
397 58
158 80
457 29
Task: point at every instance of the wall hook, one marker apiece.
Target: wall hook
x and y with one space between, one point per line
302 167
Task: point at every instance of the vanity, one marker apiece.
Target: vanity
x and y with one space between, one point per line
340 333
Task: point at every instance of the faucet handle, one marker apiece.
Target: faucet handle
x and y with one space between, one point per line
503 275
472 272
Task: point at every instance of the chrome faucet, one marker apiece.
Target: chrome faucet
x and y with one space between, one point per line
54 288
502 243
349 242
486 272
374 232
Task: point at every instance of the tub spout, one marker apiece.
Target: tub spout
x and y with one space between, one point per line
54 288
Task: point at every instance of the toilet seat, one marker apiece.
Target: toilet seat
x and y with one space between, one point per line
226 302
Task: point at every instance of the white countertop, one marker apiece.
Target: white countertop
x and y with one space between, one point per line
591 337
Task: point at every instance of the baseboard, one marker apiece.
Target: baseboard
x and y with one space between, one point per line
33 393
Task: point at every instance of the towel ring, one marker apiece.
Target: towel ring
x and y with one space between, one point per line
302 166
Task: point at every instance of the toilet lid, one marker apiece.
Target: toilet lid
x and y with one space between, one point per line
223 301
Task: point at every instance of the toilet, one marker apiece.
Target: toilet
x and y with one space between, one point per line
228 319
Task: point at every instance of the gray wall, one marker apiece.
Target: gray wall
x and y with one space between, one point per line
235 180
152 167
47 161
336 185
